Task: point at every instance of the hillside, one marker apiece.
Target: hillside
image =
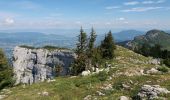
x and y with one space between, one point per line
127 35
128 73
152 37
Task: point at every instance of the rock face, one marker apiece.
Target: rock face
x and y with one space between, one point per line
34 65
152 92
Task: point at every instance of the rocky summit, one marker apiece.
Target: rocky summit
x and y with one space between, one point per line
34 65
151 37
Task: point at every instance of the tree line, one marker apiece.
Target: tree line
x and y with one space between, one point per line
89 55
155 51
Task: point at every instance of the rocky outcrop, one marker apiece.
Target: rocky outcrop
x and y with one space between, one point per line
152 92
34 65
151 38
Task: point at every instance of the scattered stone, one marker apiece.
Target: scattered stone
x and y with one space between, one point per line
85 73
151 91
134 72
100 93
124 98
2 97
131 82
107 87
45 93
6 91
49 80
153 71
110 78
155 61
126 87
88 97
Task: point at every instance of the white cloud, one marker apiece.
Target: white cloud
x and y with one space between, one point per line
153 1
112 7
161 1
141 9
131 3
148 2
121 19
9 21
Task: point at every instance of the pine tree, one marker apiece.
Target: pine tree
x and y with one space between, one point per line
82 43
108 46
5 72
91 43
80 62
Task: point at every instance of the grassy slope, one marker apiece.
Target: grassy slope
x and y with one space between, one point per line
76 88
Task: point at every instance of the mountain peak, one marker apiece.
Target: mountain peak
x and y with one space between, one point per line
154 32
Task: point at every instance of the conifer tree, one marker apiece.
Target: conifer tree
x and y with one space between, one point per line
80 62
91 43
108 46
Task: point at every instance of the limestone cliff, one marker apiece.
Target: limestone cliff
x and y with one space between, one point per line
35 65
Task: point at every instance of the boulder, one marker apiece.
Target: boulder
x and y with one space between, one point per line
85 73
124 98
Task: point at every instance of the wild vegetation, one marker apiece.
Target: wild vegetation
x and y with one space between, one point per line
125 71
128 72
6 73
88 55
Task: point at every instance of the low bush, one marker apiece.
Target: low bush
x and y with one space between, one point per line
102 76
163 69
167 62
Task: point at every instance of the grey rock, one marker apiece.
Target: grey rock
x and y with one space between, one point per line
153 71
100 93
36 65
155 61
88 97
124 98
2 97
85 73
127 87
152 91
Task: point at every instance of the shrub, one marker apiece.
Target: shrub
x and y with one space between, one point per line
5 72
102 76
167 62
163 69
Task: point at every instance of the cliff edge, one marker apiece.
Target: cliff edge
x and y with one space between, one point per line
35 65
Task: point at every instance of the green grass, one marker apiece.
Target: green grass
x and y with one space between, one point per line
76 88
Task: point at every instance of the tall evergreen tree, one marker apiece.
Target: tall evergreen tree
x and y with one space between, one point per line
82 43
80 62
91 43
108 46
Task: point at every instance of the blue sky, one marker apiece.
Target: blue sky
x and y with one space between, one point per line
71 14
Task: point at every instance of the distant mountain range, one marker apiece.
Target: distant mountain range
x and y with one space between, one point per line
9 40
127 35
152 37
